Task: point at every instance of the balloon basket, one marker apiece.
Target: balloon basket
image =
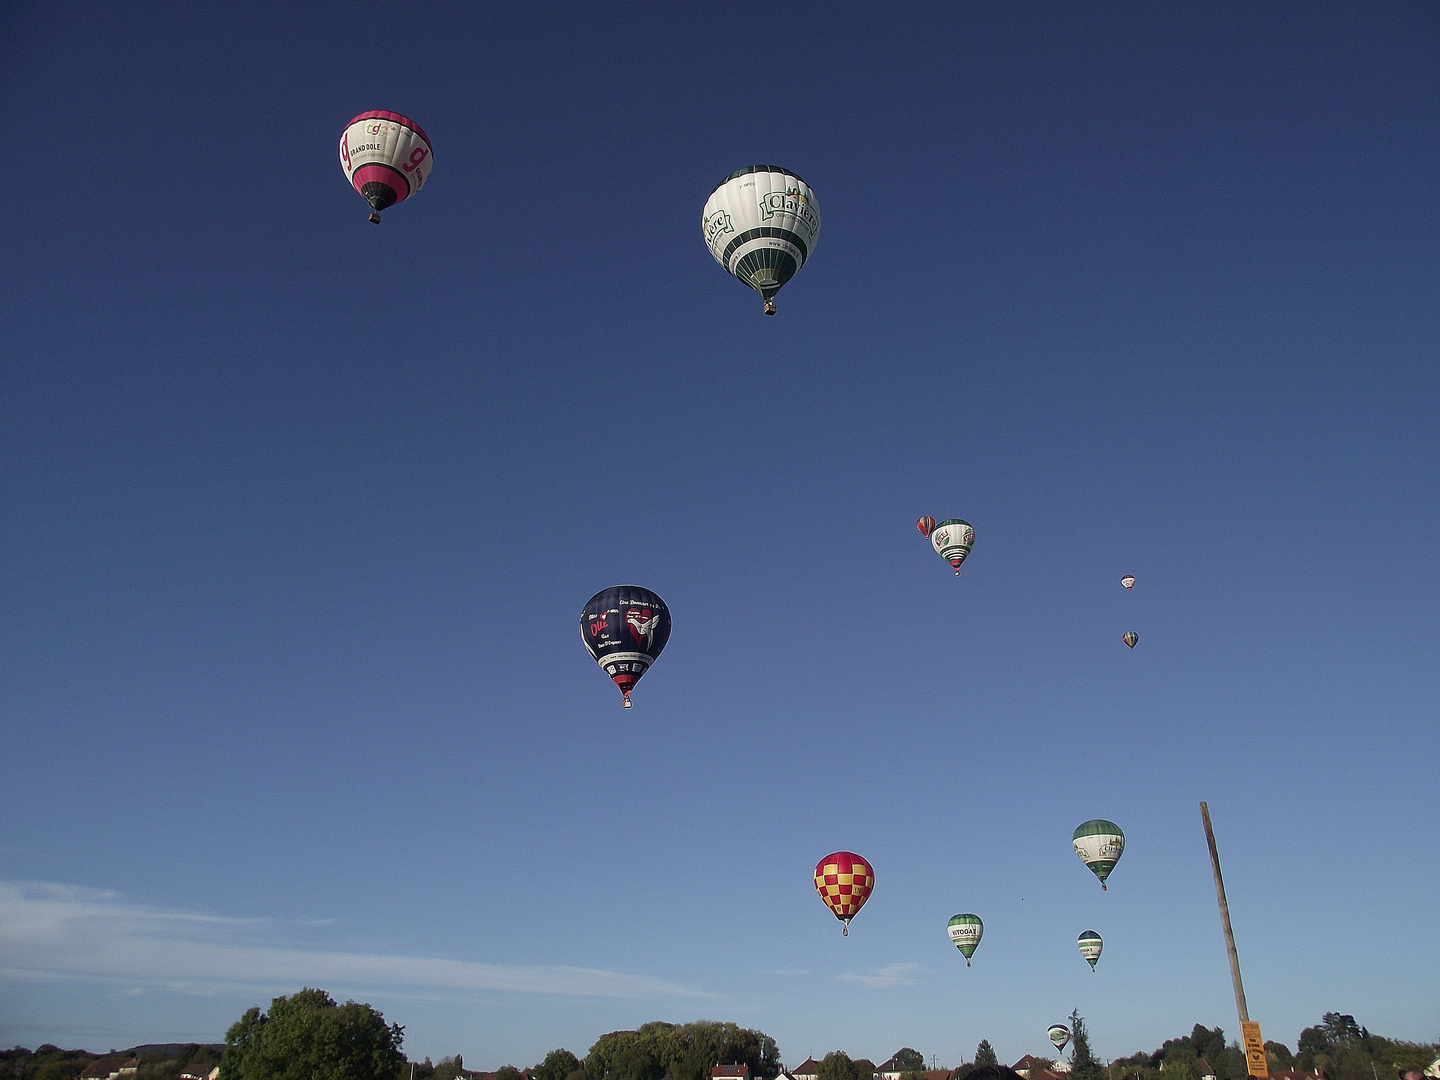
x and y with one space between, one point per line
626 703
769 307
374 218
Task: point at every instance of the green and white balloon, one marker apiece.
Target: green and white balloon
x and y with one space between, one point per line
1099 843
965 931
1090 946
953 540
1058 1034
761 225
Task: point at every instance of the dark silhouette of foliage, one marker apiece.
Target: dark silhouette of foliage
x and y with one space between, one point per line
1083 1065
558 1065
683 1051
307 1036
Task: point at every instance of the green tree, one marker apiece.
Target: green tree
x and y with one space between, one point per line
307 1036
837 1065
508 1072
1280 1054
985 1055
1039 1065
1083 1065
684 1051
558 1065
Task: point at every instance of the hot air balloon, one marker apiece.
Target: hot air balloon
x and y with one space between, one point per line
844 881
1128 581
926 525
1131 638
625 628
386 157
1090 946
1099 843
965 931
953 539
761 224
1058 1034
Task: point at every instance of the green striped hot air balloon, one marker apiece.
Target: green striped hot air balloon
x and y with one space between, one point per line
965 931
1090 946
952 540
1099 843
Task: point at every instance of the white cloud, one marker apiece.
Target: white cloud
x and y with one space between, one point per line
50 931
884 977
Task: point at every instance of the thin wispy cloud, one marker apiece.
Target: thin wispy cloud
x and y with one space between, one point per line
50 931
884 977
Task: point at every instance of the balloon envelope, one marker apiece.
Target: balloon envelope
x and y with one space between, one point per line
625 627
1128 581
386 158
1131 638
952 540
1090 946
761 224
1099 843
844 881
1058 1034
926 525
965 931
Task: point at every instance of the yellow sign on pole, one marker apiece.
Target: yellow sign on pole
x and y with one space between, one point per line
1254 1050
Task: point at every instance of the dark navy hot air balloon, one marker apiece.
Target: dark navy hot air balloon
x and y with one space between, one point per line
625 627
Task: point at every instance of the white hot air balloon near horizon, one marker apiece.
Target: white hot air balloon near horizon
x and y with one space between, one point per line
1059 1035
761 224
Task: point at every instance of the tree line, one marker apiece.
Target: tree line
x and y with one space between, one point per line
309 1036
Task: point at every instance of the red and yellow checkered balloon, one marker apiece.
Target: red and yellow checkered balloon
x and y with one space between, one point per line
844 881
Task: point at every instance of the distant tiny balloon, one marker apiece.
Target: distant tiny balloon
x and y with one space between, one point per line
1128 581
926 525
1090 946
1131 638
1058 1034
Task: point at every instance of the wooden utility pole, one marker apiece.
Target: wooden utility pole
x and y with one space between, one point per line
1255 1057
1225 917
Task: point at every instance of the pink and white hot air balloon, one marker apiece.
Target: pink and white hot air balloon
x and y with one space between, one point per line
386 158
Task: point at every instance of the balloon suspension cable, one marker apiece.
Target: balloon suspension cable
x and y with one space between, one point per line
374 217
769 307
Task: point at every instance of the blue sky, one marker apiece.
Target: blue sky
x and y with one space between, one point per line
299 515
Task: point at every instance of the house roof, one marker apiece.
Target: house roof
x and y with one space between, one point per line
730 1070
1203 1067
1029 1061
808 1067
110 1063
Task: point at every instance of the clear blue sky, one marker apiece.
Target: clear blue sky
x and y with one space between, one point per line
299 515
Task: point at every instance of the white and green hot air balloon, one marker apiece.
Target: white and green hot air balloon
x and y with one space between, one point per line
761 225
1059 1035
952 540
1099 843
1090 946
965 931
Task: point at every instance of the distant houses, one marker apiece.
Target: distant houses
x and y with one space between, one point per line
111 1067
